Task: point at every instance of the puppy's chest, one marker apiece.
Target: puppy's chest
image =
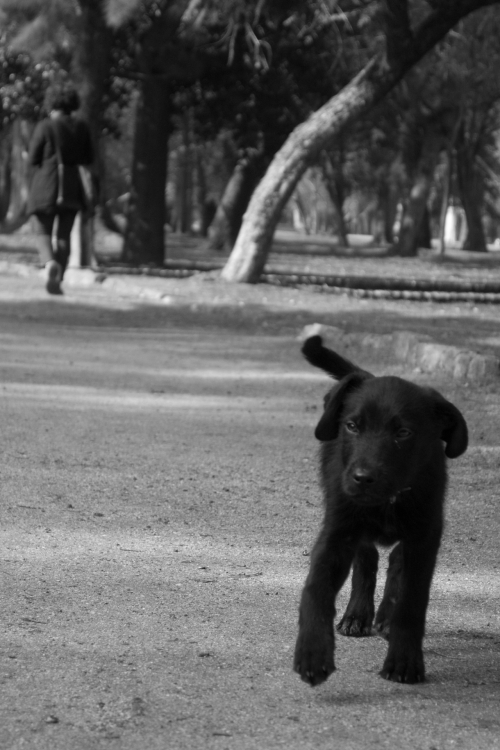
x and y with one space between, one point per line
382 525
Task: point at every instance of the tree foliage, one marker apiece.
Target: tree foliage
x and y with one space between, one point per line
406 43
287 84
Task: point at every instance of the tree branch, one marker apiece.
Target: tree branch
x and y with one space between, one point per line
439 22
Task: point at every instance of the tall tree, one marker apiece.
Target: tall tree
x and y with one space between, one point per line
157 49
405 43
270 69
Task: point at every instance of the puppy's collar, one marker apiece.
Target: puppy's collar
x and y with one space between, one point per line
396 497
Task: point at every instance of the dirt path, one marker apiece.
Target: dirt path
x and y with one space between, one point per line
159 498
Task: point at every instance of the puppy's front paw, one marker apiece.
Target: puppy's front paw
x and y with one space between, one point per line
355 626
404 665
314 657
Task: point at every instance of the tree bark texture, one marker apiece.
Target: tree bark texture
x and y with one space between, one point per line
146 213
303 146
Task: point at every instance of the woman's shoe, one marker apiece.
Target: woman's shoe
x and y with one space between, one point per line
53 277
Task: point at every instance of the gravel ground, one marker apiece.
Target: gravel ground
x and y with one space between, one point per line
159 500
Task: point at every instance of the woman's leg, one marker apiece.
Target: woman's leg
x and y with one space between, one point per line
43 225
65 221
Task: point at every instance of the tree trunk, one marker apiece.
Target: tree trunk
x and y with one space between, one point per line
250 252
388 202
206 209
303 214
414 211
17 212
226 223
471 189
5 170
424 237
334 183
144 235
93 65
304 144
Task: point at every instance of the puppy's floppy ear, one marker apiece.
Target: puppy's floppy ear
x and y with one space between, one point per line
454 427
328 426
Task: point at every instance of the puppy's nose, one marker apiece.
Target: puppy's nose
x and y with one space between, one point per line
363 476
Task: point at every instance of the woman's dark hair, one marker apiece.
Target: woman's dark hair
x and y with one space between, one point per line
62 96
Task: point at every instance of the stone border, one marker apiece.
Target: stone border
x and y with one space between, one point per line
372 287
410 349
413 350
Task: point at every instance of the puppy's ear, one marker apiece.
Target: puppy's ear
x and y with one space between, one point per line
328 426
454 431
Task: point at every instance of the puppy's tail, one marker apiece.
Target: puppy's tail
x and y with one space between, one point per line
326 359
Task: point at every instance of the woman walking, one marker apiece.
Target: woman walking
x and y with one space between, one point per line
60 138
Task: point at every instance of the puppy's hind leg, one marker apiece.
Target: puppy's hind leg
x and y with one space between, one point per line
358 617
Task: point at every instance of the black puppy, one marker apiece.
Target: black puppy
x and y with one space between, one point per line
383 469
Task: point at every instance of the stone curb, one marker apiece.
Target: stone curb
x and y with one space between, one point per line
417 351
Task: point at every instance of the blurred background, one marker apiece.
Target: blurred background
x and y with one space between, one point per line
190 101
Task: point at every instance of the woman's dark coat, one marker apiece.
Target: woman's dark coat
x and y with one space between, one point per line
76 148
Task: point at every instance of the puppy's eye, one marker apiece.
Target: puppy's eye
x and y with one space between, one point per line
351 427
403 433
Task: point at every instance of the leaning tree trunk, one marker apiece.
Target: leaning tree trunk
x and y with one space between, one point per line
380 75
226 223
146 214
471 189
251 249
414 211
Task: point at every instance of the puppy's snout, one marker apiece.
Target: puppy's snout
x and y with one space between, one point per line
363 476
